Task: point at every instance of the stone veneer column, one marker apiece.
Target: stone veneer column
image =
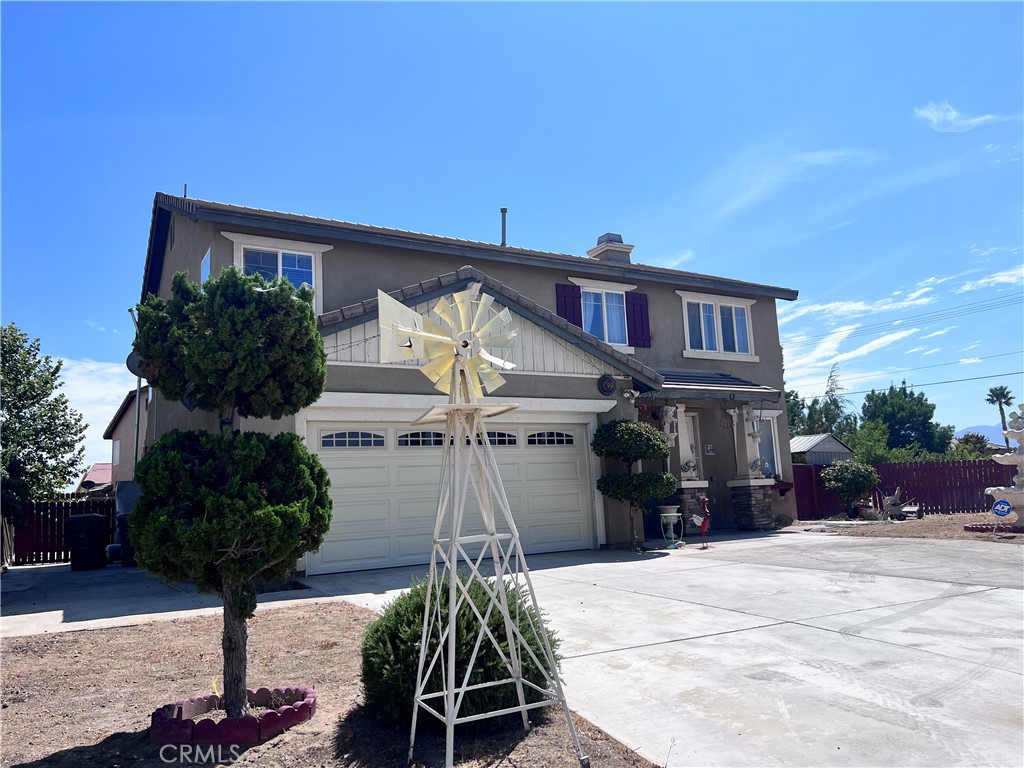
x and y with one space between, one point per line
689 494
752 504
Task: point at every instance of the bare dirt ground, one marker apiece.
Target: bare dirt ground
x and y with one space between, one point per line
930 527
84 699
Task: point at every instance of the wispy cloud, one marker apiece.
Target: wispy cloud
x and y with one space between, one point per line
839 309
872 346
95 389
680 258
944 118
969 360
971 346
757 180
1011 276
915 349
933 350
942 332
97 327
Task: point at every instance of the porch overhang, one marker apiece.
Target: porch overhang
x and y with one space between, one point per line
692 384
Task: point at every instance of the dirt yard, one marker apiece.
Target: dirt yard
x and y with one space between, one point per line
83 699
930 527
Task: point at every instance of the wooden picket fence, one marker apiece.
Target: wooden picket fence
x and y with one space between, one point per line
943 487
42 538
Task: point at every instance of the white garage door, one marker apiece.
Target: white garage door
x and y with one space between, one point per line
384 483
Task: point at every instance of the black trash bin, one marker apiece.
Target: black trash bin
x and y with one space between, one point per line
127 550
87 539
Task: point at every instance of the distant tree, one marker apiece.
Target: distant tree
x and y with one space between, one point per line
829 414
223 509
1002 397
970 445
796 413
870 443
908 417
42 446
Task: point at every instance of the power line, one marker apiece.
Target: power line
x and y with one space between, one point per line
924 367
894 325
929 384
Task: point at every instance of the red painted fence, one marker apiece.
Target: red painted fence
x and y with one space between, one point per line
41 537
943 487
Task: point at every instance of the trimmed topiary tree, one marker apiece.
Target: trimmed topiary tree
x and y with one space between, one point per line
224 509
849 480
391 652
630 442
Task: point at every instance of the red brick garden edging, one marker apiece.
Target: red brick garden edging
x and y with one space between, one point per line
174 724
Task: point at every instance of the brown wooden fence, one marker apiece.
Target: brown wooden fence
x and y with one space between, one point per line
943 487
41 536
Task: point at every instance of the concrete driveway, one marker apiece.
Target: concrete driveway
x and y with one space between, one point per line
788 649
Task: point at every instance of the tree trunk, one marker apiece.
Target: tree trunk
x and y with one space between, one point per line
1002 420
233 642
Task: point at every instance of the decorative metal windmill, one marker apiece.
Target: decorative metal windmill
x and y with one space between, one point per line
453 353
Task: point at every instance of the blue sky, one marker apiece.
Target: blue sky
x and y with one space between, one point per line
866 154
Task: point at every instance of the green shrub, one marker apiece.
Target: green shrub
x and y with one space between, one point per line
391 652
637 490
629 442
849 480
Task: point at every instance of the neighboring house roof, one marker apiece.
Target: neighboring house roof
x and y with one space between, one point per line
805 443
312 226
129 400
451 282
96 476
712 385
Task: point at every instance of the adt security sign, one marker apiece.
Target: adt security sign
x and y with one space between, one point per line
1001 508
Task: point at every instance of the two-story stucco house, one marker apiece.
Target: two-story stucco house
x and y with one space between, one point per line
599 337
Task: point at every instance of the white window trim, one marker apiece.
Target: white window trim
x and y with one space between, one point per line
316 250
717 300
604 287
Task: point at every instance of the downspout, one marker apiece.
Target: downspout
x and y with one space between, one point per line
138 401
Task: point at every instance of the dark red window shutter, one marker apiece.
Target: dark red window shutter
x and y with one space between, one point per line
569 303
638 321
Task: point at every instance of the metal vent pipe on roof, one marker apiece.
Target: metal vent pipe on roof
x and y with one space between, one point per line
504 212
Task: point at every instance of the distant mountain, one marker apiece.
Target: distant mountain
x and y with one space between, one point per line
994 433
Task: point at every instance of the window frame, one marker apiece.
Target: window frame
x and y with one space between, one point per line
717 303
377 440
770 417
115 458
603 287
242 241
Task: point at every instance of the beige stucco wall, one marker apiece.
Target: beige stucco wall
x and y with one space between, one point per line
124 433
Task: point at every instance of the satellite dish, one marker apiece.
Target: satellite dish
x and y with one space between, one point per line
134 363
454 346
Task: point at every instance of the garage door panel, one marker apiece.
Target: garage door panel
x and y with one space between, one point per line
350 511
511 472
553 503
417 510
560 469
425 475
414 546
373 476
352 550
551 537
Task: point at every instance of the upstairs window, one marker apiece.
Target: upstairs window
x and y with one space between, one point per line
717 327
297 262
615 313
297 268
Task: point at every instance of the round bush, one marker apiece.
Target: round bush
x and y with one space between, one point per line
391 652
849 480
629 442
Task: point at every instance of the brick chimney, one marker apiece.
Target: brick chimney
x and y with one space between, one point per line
611 248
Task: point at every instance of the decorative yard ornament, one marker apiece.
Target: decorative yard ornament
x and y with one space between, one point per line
452 347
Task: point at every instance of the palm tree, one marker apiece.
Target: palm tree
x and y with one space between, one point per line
1001 396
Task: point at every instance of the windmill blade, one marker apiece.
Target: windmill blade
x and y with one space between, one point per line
443 309
464 303
483 309
473 382
499 340
495 323
435 349
496 361
489 378
392 317
436 370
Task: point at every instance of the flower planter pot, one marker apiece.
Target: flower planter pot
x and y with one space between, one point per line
176 724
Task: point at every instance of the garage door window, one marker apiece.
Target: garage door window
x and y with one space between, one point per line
502 438
420 439
352 440
549 438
